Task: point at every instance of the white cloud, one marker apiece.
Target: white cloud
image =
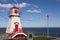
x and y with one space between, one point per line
34 11
29 19
11 5
6 5
23 4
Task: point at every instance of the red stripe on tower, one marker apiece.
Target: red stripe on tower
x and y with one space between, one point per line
16 26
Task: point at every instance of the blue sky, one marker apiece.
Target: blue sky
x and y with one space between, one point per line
33 12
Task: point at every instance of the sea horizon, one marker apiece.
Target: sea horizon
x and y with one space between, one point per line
39 31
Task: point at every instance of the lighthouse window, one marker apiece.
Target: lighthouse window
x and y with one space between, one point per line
16 11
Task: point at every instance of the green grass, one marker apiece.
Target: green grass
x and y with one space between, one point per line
42 38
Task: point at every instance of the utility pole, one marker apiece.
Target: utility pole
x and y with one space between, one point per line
47 17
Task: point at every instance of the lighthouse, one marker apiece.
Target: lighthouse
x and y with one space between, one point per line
14 28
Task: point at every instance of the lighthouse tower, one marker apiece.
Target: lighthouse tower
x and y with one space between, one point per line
14 28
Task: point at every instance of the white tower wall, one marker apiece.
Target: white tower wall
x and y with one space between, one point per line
11 24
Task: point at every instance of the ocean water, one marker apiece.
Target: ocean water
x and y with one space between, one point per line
39 31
